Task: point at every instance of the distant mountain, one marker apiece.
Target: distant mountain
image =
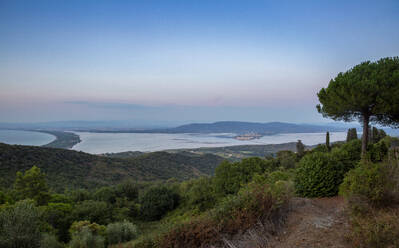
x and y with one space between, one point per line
72 169
249 127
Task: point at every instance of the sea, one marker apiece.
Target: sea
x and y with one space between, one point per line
19 137
97 143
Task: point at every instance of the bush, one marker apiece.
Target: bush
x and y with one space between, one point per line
319 175
230 177
86 239
94 228
157 201
58 215
120 232
236 213
371 184
127 189
94 211
379 229
19 225
287 159
50 241
348 153
199 194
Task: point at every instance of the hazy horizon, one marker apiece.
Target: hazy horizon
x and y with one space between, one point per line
181 61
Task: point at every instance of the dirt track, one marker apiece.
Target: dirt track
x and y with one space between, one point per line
314 223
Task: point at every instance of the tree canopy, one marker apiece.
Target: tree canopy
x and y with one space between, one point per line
368 93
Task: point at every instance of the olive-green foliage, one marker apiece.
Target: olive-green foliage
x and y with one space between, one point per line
86 239
79 195
229 177
199 194
372 184
320 148
157 201
68 169
120 232
3 197
78 226
300 148
319 175
376 135
287 159
275 176
378 152
127 189
50 241
58 215
105 194
94 211
349 153
367 92
351 134
20 225
32 184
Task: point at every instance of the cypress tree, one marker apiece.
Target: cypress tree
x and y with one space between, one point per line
328 140
300 148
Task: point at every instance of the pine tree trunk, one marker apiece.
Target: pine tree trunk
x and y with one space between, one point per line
365 136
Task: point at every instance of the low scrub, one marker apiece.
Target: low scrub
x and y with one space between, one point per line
377 229
120 232
235 214
372 185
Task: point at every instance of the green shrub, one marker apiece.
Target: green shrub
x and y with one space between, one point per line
374 184
320 148
20 225
58 215
94 211
287 159
199 194
50 241
85 238
120 232
255 203
105 194
127 189
230 177
319 175
157 201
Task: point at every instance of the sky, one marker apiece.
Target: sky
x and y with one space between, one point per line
183 61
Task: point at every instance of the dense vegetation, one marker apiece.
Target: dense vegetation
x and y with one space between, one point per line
63 139
236 153
72 169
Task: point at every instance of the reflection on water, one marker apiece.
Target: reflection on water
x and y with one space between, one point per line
119 142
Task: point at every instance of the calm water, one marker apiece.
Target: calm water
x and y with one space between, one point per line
17 137
119 142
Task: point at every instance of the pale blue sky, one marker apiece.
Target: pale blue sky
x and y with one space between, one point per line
183 60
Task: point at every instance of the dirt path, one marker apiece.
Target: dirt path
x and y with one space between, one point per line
314 223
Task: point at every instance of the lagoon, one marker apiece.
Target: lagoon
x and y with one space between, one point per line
19 137
97 143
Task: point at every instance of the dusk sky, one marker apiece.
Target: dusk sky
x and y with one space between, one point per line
183 60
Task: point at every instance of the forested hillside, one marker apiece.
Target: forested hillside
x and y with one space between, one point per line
66 168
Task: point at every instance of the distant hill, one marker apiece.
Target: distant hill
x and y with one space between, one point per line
72 169
246 127
236 127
